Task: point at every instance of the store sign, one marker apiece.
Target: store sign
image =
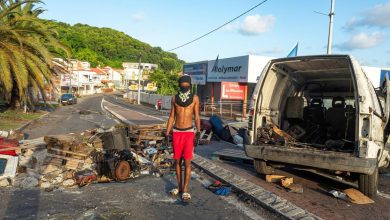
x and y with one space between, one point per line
232 90
229 70
384 73
197 72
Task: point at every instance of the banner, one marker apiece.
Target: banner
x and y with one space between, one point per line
232 90
197 72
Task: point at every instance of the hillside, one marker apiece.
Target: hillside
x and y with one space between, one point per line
106 46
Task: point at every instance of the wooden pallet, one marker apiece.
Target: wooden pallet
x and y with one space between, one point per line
235 155
139 133
205 137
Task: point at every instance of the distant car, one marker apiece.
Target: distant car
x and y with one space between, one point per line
68 99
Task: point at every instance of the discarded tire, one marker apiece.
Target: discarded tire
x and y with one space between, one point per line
122 171
368 184
262 167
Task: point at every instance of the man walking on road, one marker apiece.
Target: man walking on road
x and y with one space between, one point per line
185 105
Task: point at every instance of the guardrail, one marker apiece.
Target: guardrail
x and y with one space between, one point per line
225 109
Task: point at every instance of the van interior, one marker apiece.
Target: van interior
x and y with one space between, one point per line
313 101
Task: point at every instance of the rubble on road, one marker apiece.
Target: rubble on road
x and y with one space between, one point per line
286 182
98 155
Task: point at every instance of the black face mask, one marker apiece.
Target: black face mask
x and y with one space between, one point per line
184 89
184 97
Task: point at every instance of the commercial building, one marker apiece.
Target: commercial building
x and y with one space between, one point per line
226 80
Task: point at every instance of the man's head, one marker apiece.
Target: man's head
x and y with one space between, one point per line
185 83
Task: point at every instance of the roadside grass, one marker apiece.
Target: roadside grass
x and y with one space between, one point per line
12 119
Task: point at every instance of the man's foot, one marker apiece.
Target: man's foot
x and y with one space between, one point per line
174 192
186 197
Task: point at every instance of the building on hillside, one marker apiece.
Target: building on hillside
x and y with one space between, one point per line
131 72
100 79
115 77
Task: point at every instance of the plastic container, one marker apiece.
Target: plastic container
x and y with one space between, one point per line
6 143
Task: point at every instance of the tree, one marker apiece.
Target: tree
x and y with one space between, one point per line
27 46
112 47
167 82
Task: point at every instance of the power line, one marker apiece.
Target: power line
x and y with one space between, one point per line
204 35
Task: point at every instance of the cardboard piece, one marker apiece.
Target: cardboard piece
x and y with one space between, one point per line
357 197
273 178
286 182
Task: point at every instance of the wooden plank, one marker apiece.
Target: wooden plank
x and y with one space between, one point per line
68 152
65 158
19 148
72 165
146 137
210 136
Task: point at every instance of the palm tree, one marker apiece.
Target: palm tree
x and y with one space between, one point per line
27 46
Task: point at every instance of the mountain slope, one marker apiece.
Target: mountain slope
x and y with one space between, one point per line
106 46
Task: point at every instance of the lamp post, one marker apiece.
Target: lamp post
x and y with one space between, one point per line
331 14
139 80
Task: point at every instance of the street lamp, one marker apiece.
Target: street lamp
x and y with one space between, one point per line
139 80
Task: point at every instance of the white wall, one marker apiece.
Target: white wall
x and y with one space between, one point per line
374 74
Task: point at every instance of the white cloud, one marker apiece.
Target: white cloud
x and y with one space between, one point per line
139 16
252 25
362 41
376 16
256 24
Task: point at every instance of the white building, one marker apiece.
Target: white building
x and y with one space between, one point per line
131 70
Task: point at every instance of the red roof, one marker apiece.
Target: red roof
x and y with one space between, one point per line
98 71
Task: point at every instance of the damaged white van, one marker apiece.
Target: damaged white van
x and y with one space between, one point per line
322 114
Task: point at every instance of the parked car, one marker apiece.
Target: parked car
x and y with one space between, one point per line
321 114
68 99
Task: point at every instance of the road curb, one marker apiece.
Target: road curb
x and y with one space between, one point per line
22 127
116 115
265 198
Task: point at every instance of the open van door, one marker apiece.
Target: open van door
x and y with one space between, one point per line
386 93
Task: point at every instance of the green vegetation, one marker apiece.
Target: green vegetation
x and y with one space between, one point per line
11 119
27 46
167 82
109 47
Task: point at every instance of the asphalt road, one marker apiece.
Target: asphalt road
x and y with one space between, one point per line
68 119
141 198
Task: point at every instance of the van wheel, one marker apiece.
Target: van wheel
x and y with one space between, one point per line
368 184
262 167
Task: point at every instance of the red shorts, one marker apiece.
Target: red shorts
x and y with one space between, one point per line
183 144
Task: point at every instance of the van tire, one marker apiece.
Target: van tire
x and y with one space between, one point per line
262 167
368 184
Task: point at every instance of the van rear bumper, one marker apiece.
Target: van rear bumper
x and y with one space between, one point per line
330 160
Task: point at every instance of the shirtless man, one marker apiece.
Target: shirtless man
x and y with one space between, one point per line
185 105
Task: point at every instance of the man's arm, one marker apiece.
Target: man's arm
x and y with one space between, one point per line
196 113
171 117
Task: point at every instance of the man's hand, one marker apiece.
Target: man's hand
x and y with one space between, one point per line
197 138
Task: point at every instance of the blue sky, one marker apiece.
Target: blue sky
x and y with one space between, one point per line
361 28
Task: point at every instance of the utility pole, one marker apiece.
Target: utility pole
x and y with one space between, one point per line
139 80
331 14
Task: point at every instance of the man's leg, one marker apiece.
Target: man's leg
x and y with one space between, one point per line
179 175
187 165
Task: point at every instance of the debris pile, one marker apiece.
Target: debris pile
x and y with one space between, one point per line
116 154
